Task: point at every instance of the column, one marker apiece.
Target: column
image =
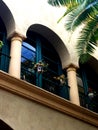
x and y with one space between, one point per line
15 54
72 82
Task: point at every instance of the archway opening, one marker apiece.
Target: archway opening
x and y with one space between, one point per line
53 39
38 49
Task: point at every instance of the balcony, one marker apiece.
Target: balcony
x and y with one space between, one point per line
46 82
23 90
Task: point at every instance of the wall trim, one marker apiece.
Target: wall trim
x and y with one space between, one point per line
34 93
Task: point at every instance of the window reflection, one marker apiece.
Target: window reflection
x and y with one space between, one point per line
28 52
27 59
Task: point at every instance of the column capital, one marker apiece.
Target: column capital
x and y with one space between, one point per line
17 36
71 67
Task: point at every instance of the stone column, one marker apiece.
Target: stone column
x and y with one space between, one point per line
15 54
72 82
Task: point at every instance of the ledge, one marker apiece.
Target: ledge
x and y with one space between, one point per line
34 93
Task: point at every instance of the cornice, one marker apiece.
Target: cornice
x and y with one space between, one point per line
34 93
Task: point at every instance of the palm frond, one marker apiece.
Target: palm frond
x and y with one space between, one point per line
67 3
80 14
84 58
70 5
66 12
96 34
73 17
57 2
86 40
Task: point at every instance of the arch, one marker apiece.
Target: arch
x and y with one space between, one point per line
54 39
41 62
4 126
7 18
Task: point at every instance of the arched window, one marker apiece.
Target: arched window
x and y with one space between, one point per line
35 50
4 126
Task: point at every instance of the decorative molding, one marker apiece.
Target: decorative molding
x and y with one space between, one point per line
34 93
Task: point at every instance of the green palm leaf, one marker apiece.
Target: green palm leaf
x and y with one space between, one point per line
67 3
57 2
70 5
80 14
87 39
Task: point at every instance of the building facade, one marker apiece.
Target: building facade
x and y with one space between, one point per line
40 72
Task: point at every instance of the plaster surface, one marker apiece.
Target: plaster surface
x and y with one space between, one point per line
23 114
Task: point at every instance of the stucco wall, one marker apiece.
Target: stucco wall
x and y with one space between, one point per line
27 13
23 114
31 12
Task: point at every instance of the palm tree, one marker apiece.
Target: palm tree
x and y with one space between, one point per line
81 12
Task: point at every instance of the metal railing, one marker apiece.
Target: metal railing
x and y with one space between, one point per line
47 82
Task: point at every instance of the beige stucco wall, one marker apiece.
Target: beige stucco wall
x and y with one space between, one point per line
23 114
30 12
27 13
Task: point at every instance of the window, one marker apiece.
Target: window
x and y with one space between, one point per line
27 59
34 50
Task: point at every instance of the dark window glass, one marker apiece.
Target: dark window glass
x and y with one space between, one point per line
4 53
27 59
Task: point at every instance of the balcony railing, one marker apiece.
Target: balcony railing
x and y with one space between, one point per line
56 88
63 91
47 82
